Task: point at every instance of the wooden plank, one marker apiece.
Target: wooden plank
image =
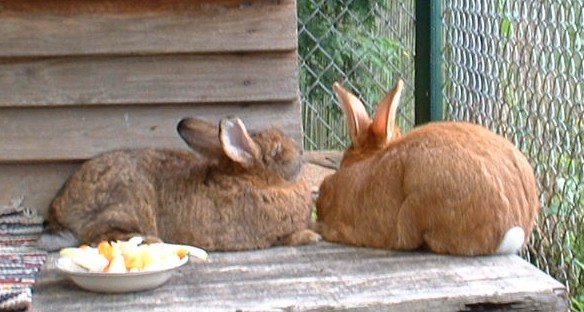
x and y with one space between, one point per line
35 184
326 277
73 133
326 159
148 79
71 27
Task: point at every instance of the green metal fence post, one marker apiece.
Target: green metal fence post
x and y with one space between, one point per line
428 67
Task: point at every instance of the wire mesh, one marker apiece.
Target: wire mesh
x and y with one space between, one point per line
516 67
365 45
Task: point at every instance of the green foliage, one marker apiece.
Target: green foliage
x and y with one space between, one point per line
578 301
341 41
578 297
560 163
567 204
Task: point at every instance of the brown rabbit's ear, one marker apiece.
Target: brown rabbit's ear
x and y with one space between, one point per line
201 136
357 118
237 143
384 120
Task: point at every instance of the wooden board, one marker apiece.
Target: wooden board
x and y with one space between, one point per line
35 184
326 277
70 27
57 133
73 133
148 79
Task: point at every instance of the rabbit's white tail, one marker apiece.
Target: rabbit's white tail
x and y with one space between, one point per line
55 241
512 241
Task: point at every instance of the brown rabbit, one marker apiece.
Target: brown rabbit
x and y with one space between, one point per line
453 187
237 191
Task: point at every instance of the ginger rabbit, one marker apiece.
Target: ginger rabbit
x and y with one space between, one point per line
452 187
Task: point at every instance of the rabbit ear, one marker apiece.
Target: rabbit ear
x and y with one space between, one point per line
201 136
384 121
237 143
357 118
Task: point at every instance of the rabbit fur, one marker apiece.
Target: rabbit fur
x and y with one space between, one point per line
451 187
234 191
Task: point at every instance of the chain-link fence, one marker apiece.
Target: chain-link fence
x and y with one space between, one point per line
515 66
365 45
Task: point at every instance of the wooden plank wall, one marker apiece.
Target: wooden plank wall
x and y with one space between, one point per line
81 77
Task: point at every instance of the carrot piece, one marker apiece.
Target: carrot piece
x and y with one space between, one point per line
106 249
182 252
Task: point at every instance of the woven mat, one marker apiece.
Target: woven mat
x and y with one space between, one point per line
20 260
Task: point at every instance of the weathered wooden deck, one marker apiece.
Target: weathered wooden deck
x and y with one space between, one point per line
325 277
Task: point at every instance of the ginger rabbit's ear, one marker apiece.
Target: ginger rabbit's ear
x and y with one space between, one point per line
384 121
237 143
357 118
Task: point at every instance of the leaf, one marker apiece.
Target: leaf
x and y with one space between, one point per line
506 27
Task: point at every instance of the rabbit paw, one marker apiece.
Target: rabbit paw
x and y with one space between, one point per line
302 237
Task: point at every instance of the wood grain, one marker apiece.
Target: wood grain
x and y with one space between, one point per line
69 27
35 184
326 277
77 133
148 79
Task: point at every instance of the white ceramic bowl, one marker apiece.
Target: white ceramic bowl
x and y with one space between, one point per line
116 282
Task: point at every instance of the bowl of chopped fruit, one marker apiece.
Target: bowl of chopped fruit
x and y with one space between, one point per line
124 266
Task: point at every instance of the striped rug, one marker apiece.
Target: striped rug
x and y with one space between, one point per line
20 260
